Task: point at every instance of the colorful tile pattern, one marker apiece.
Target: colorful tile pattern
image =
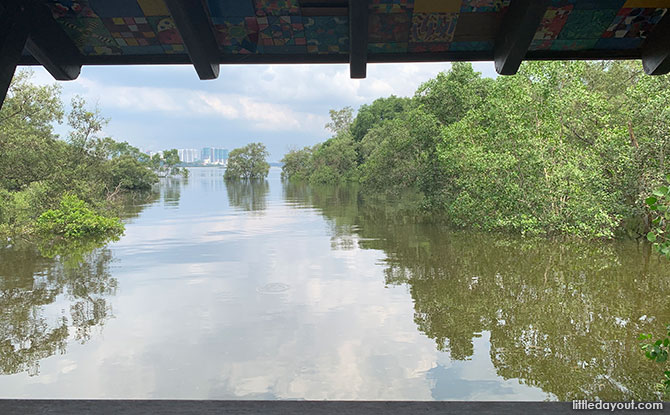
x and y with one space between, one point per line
90 35
634 23
165 30
327 34
551 26
281 31
238 35
131 31
389 27
119 27
587 24
433 27
276 7
595 24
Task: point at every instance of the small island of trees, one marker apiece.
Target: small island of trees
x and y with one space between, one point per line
248 163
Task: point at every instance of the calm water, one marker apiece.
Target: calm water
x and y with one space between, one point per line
273 291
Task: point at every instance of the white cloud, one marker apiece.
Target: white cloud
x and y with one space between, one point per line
213 104
284 106
184 103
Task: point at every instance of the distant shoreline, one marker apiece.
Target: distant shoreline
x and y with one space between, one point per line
272 164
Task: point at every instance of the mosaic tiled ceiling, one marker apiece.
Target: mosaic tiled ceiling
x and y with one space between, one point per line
145 27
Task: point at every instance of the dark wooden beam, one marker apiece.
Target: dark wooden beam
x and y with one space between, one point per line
315 58
516 33
14 24
50 45
656 49
358 38
191 20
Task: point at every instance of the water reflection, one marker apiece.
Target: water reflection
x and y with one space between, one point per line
325 295
35 292
561 316
248 195
133 204
55 291
170 188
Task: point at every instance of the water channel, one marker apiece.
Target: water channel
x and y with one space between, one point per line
284 291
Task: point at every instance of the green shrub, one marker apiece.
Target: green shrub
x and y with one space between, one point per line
130 174
297 164
659 205
658 352
75 219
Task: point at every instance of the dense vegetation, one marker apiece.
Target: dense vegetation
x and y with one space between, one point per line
248 163
560 149
64 188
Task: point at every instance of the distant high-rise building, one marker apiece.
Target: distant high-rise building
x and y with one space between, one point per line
188 155
206 155
220 155
211 155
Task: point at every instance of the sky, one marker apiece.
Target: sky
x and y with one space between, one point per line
283 106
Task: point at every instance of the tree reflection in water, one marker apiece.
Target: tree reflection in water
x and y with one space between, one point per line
53 292
29 284
248 195
170 188
562 316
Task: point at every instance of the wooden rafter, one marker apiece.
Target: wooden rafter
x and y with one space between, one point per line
656 49
14 22
50 45
358 38
516 33
192 22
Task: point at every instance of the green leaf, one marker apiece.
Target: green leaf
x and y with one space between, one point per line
651 237
651 200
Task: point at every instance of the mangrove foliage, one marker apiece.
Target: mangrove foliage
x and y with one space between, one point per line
560 149
68 188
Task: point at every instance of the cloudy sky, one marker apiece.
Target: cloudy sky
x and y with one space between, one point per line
283 106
